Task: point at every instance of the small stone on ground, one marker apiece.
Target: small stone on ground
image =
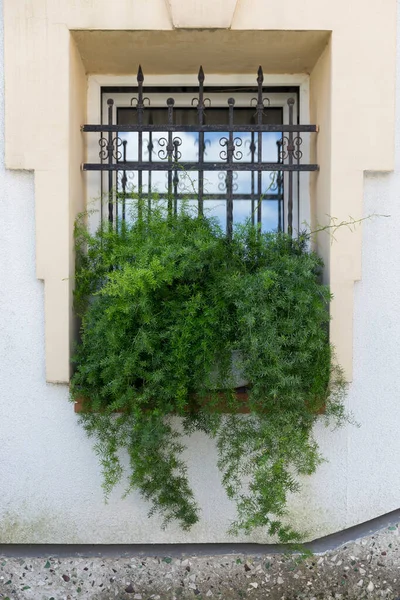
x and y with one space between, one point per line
368 569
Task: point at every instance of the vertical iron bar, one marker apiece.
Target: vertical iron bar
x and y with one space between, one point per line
229 175
200 112
298 198
176 177
139 108
252 150
102 160
150 147
110 151
116 188
279 185
124 181
260 110
290 175
298 176
170 149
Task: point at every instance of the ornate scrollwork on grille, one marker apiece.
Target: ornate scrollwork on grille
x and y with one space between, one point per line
237 143
274 184
103 143
140 103
206 102
291 148
264 103
169 149
260 102
230 148
224 143
126 180
177 141
235 185
222 179
165 150
108 149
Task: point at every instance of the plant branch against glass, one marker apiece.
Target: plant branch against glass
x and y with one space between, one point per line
166 302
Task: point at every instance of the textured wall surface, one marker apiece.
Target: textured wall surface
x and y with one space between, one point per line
50 479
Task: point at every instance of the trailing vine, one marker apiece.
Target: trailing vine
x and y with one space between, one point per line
166 302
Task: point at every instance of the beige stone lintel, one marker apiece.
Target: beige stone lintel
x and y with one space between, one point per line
209 14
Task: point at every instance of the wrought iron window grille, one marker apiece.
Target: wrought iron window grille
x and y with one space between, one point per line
167 156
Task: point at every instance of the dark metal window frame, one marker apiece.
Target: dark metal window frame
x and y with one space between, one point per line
113 155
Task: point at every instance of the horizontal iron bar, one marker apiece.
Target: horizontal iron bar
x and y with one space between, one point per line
197 128
130 196
187 166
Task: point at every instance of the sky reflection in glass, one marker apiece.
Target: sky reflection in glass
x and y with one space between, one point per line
214 181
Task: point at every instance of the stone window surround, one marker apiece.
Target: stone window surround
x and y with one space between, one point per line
48 52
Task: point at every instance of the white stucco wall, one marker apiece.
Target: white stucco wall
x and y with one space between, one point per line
50 482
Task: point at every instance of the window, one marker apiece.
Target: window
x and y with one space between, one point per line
233 152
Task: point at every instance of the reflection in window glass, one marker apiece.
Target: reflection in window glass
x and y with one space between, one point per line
248 188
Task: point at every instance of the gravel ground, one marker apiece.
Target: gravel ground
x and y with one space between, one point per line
367 568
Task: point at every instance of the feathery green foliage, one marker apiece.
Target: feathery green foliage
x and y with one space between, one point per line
166 302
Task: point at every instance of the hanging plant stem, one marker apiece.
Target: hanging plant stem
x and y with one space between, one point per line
165 303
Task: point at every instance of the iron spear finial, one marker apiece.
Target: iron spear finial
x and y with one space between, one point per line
201 76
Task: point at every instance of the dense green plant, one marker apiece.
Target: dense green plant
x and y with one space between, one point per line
165 303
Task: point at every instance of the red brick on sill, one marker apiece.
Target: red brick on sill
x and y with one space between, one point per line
241 397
